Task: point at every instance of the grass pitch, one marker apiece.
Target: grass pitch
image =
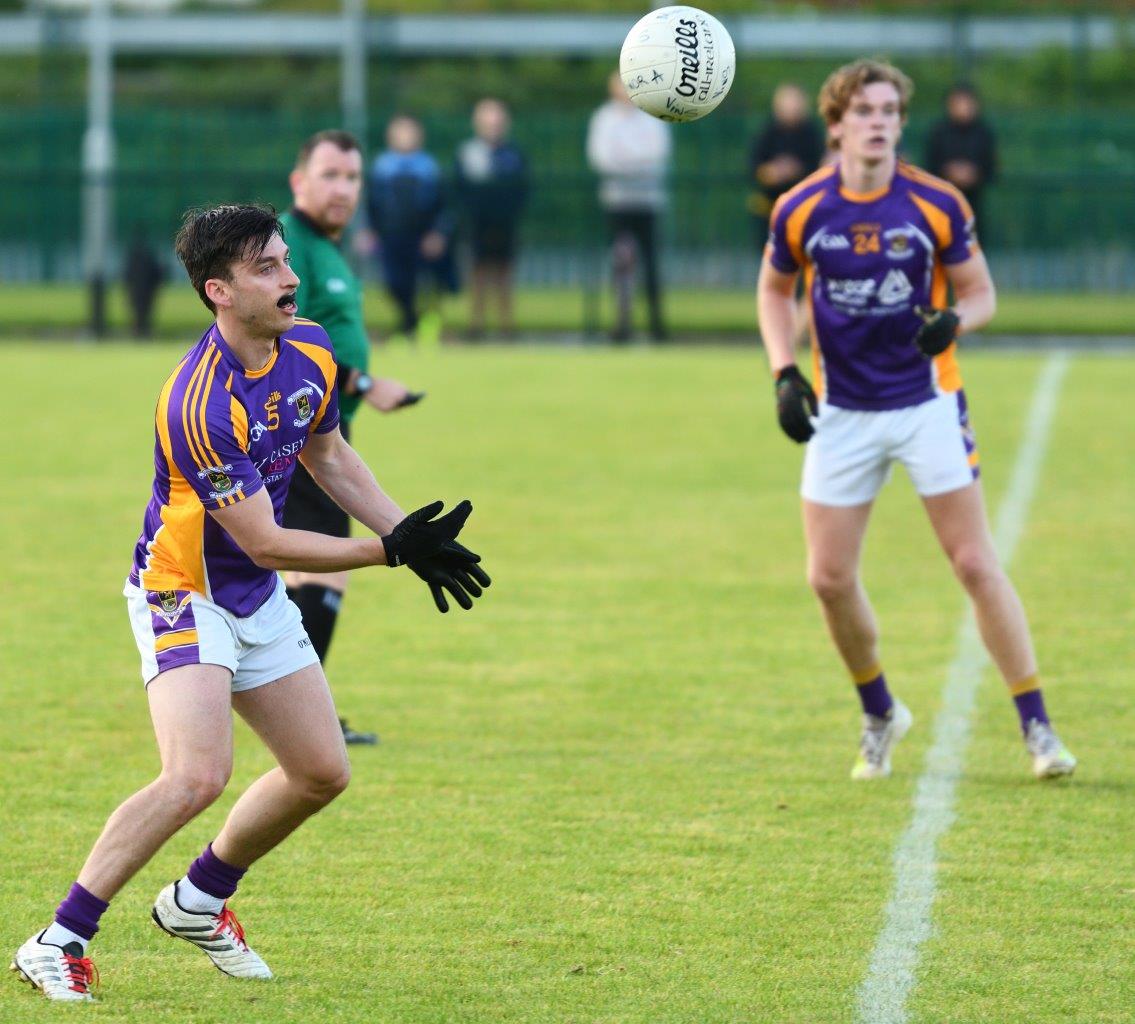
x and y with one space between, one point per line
617 790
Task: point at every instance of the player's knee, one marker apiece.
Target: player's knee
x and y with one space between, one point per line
975 567
324 783
830 584
190 790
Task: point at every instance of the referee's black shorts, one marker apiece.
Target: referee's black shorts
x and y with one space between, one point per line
308 506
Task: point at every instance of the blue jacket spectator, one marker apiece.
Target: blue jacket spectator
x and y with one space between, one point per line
406 209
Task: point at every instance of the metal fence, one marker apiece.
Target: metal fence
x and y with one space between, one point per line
1058 216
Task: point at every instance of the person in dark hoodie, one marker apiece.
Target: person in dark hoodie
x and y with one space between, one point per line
962 147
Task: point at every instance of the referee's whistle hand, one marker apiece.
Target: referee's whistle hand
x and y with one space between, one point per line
389 395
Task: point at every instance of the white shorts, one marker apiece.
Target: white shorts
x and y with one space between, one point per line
179 627
849 458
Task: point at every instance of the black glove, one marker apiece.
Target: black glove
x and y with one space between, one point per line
411 398
938 331
420 535
453 568
795 402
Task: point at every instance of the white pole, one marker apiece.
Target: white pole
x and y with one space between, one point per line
353 70
98 160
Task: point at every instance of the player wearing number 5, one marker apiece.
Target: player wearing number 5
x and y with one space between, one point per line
213 627
880 243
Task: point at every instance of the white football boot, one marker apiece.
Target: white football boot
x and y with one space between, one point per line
878 740
1051 759
219 936
61 973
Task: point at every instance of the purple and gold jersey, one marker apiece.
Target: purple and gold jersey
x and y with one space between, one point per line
868 260
223 433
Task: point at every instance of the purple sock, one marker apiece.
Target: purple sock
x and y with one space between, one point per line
212 875
875 697
1030 705
80 912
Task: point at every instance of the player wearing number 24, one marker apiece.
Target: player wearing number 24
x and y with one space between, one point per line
880 244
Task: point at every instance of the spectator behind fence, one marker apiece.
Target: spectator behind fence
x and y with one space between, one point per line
962 147
142 277
492 187
630 150
406 209
782 154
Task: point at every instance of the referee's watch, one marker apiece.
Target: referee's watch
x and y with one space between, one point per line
363 383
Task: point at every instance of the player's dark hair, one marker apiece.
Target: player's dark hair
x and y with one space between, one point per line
344 141
213 238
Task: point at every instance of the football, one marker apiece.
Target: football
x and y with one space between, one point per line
677 63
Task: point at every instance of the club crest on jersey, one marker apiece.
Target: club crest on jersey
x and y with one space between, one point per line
222 482
168 604
898 244
301 400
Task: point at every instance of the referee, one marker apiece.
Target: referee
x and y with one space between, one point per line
326 184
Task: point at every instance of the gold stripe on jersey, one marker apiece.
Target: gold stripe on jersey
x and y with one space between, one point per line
187 403
814 178
947 372
202 414
326 362
239 417
817 357
180 638
794 226
917 174
938 219
179 541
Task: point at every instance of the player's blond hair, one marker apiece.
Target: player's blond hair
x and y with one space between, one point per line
843 83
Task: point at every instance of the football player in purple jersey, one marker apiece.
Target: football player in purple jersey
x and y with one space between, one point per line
213 626
881 244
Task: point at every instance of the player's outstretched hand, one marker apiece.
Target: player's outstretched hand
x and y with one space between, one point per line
454 568
938 331
795 404
420 535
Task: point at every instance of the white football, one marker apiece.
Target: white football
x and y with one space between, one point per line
677 63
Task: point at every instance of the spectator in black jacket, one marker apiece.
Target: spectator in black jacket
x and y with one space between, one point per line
962 147
492 187
787 150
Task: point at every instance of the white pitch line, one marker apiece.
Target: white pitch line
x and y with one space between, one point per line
891 974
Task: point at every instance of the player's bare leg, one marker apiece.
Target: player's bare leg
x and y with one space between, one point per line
295 717
192 716
962 526
834 536
190 708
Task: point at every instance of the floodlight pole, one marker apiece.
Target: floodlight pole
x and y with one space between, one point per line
98 161
353 70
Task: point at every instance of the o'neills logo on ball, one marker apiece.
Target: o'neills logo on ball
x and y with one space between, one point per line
686 39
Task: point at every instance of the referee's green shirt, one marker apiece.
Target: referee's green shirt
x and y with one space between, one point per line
330 294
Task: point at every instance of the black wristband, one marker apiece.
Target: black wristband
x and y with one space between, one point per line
363 383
